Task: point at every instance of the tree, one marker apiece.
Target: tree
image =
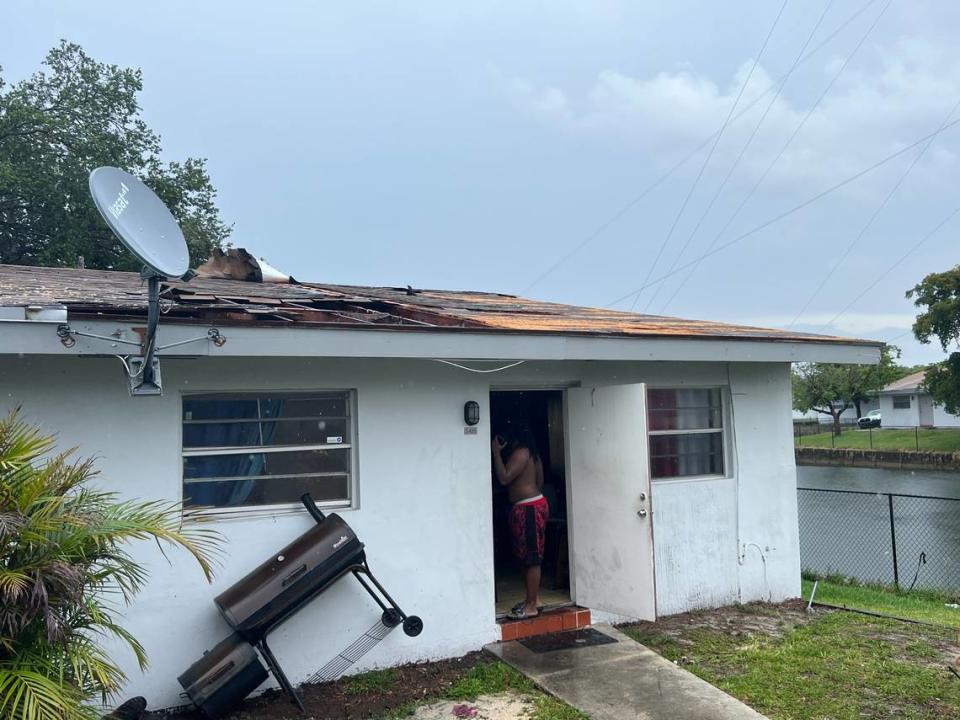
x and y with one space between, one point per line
939 293
63 566
58 125
832 389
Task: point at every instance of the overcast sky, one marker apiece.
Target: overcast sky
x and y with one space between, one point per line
441 145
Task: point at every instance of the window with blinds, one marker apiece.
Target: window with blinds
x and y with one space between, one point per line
686 432
267 449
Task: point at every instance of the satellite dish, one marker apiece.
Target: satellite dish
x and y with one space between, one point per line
146 226
141 221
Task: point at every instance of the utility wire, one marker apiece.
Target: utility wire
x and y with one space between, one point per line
897 337
777 218
686 158
894 266
482 372
870 220
743 151
706 160
786 145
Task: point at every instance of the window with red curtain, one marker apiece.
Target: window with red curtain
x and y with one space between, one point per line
685 426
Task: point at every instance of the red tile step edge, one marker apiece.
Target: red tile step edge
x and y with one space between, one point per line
550 621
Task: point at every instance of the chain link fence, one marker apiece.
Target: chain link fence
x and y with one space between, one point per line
908 541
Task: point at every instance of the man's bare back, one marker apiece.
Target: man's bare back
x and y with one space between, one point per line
522 473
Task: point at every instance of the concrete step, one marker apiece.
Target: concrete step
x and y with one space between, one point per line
548 621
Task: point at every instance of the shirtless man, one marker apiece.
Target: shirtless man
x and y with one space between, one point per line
522 474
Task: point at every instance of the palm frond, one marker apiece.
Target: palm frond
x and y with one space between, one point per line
63 563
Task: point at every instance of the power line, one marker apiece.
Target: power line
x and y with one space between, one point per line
686 158
870 220
894 266
716 141
787 213
743 150
897 337
786 145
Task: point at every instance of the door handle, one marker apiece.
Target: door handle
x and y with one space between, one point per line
642 512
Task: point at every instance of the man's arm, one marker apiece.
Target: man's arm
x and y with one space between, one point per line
507 473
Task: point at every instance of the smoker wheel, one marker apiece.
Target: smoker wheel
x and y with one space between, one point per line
391 617
413 625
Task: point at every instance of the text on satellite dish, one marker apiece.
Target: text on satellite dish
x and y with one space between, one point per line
120 204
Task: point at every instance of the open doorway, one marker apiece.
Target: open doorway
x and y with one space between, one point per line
542 412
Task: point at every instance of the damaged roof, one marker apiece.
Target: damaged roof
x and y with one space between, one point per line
99 294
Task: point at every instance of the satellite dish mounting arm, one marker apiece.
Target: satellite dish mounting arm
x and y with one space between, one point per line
150 380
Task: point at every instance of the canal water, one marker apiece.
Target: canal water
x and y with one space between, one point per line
855 521
905 482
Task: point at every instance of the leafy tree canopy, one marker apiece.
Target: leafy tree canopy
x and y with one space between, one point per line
939 294
831 389
55 127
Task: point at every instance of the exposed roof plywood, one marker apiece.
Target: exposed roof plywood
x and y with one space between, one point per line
98 293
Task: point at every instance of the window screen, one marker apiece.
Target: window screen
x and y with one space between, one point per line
267 449
686 432
901 402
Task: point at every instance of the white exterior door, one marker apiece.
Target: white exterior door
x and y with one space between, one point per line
611 532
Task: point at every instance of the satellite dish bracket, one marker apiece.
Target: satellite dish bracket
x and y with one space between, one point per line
149 371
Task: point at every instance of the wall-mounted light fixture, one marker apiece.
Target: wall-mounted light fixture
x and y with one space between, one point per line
471 412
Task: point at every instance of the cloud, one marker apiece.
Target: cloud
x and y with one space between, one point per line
894 96
870 325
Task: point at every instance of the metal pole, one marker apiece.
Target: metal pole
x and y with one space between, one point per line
916 435
893 543
150 339
870 430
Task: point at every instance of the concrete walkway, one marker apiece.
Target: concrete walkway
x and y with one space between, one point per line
623 681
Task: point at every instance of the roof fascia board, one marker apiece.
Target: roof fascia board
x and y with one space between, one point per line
32 338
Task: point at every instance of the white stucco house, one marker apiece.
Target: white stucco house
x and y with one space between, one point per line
668 446
905 403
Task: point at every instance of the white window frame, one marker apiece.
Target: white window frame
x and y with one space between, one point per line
725 436
351 503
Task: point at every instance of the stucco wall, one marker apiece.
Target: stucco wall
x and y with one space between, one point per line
424 497
906 417
941 418
424 504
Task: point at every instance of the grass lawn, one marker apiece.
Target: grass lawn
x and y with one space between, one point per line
942 439
923 605
832 665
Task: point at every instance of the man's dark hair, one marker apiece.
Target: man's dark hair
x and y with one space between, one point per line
521 436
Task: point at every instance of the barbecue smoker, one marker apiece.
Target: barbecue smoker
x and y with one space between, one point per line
273 592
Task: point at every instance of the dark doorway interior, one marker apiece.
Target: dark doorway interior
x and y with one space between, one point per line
542 412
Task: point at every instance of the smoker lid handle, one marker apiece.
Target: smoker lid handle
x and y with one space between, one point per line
312 508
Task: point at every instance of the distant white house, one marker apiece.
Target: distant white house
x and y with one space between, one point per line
906 403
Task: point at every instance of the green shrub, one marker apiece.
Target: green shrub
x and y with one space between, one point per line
63 569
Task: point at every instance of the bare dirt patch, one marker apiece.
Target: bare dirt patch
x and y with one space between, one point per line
504 706
352 698
735 620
